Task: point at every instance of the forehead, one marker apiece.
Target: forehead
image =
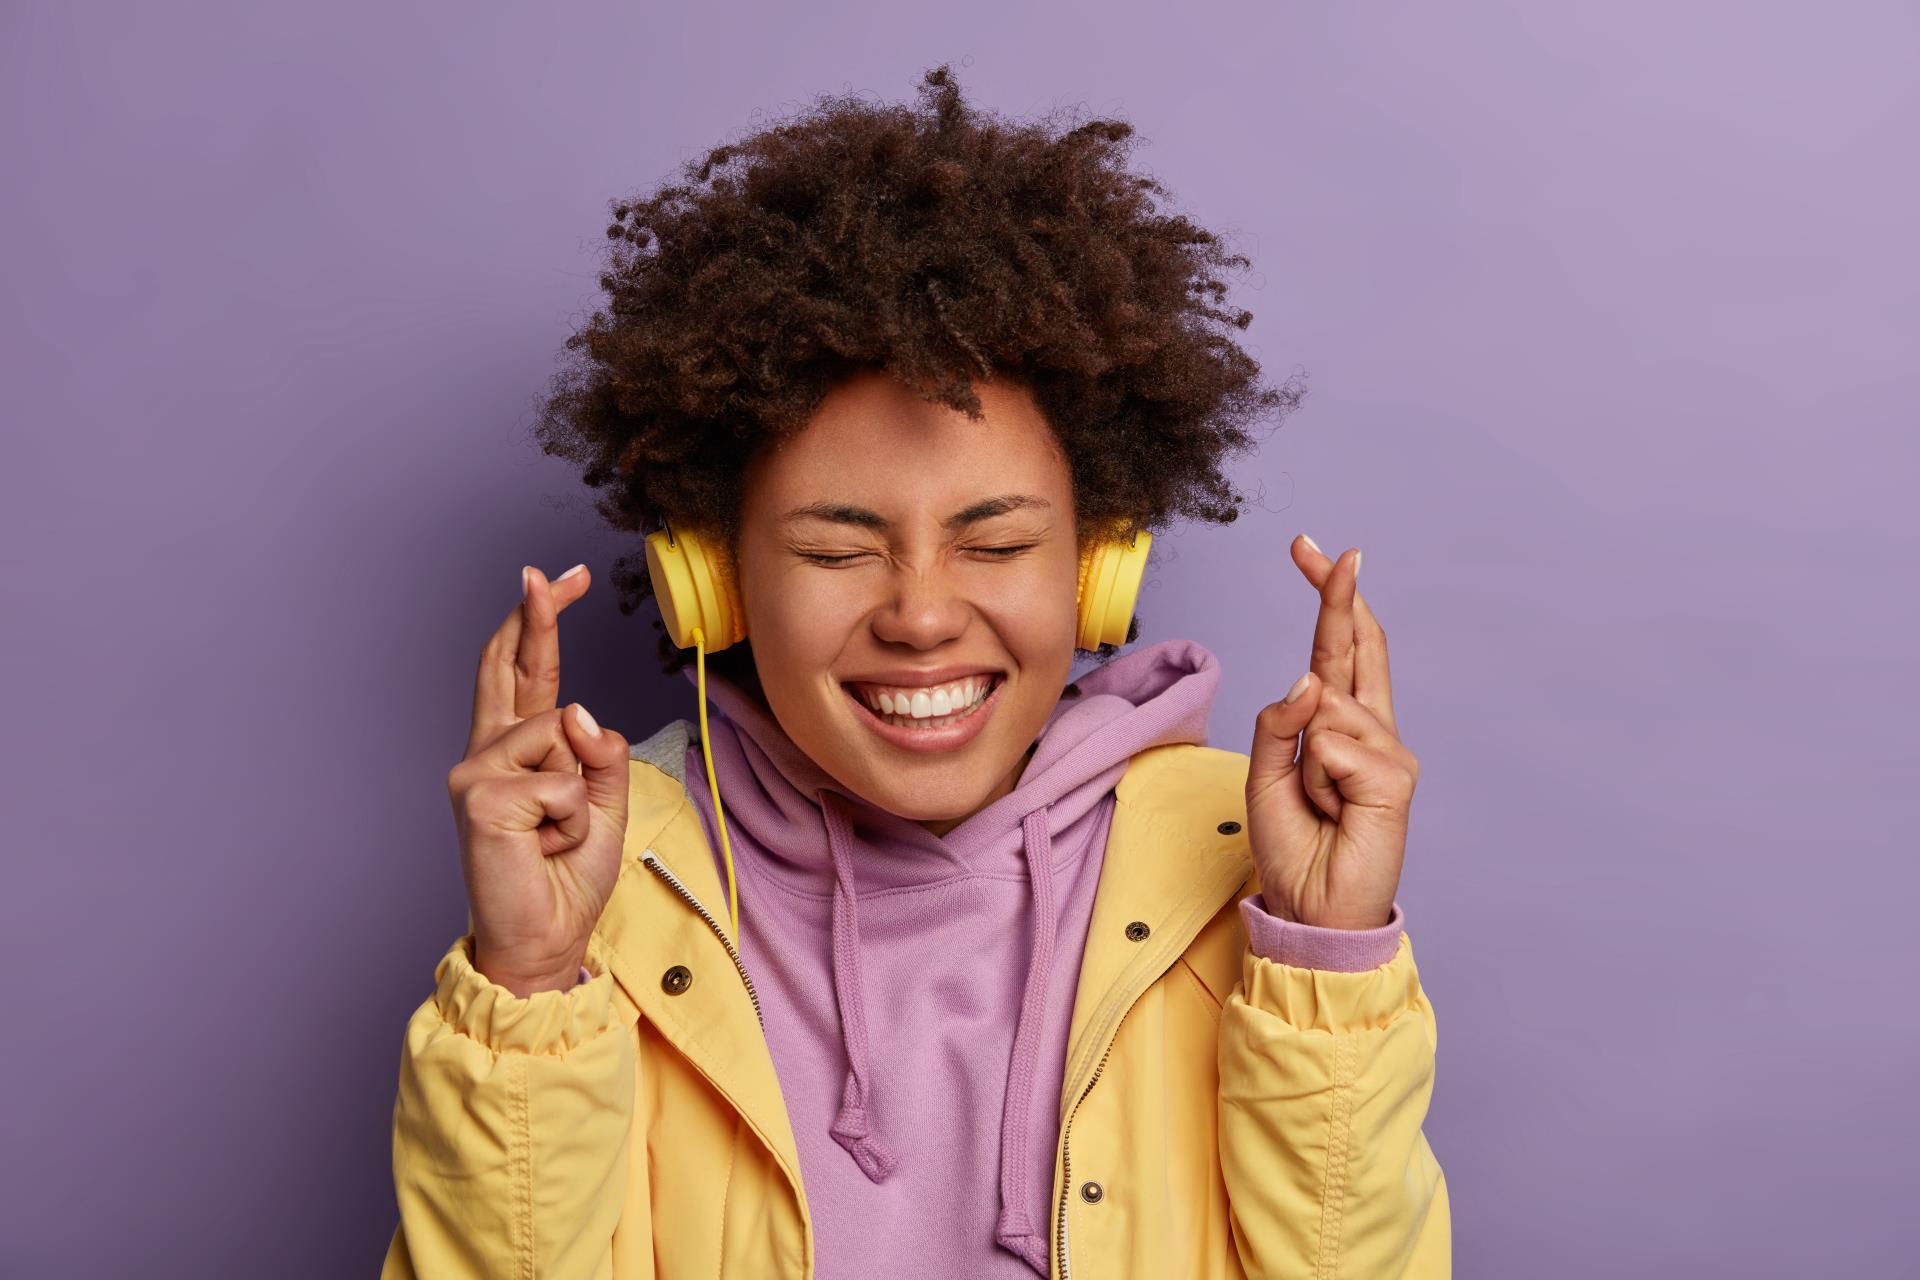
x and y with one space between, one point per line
875 439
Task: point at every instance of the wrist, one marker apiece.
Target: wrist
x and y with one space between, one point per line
1355 924
1329 920
525 983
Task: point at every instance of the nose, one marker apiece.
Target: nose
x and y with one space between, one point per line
924 610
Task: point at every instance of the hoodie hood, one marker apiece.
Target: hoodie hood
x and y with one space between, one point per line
802 830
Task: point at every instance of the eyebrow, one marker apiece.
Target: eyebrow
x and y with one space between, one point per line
986 509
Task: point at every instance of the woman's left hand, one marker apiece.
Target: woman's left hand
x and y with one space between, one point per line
1329 831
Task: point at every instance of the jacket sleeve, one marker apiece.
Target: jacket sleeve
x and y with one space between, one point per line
511 1128
1325 1077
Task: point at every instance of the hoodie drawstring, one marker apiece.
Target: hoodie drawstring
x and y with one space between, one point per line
1015 1229
851 1128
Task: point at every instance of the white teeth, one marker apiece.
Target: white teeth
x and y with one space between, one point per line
933 706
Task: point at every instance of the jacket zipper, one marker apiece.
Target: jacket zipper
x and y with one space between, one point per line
1066 1150
659 868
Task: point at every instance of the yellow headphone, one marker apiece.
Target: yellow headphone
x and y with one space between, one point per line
700 604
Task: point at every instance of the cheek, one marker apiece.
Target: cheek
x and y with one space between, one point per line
1036 619
804 616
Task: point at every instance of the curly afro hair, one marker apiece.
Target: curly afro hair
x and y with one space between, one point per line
938 245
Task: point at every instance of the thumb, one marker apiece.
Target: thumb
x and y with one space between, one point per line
1273 775
603 762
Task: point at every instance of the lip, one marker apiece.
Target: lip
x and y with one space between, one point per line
949 737
910 679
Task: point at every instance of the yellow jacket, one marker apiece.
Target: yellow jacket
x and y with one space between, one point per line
1222 1115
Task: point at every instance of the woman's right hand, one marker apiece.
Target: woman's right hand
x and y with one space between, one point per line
540 801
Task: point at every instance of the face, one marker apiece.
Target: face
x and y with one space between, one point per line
896 552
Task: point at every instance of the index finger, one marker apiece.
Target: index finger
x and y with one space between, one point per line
519 673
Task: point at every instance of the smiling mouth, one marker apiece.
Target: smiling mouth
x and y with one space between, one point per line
930 721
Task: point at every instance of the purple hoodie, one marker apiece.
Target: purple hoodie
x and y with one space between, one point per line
918 989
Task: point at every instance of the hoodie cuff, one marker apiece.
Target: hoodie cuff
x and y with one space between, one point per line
1307 946
547 1022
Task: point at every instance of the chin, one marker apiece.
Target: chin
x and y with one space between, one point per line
921 802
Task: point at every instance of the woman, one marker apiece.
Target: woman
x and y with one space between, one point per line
1017 976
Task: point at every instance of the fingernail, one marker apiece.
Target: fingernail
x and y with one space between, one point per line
587 722
1313 544
1356 564
569 573
1299 687
526 581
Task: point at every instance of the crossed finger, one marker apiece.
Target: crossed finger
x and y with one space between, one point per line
519 674
1349 644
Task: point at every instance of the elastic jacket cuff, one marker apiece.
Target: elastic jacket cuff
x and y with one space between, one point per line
1331 1000
1307 946
550 1022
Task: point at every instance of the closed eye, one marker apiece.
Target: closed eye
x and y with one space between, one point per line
818 558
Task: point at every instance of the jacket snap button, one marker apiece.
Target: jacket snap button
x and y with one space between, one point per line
1228 828
676 980
1091 1192
1138 931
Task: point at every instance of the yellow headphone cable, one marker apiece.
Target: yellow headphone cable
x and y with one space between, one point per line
706 749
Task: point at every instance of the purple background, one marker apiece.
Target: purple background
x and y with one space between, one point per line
1610 320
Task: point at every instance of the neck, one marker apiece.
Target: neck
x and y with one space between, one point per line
940 826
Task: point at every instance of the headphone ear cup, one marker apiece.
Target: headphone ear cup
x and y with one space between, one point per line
1109 588
695 587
